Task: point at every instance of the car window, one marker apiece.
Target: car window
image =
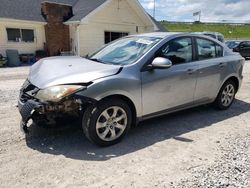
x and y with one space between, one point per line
125 51
219 50
221 38
232 44
245 45
206 49
210 35
177 50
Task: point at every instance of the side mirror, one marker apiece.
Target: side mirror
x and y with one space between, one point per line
161 63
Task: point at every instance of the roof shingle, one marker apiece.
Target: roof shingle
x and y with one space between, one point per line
83 7
31 9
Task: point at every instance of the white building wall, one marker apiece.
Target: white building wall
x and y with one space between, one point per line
117 16
22 47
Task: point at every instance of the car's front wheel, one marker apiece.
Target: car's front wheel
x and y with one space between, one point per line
107 122
226 95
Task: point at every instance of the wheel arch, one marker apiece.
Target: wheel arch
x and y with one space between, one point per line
235 79
128 101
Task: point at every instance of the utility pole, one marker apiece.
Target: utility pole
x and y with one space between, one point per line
154 10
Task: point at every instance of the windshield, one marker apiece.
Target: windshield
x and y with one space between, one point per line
125 51
232 44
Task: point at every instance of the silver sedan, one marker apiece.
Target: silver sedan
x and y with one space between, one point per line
130 80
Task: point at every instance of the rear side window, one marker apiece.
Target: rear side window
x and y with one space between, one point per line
178 50
221 38
208 49
210 35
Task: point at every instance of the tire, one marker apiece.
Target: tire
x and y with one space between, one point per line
226 98
107 122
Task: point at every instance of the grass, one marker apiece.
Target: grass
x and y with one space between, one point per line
230 31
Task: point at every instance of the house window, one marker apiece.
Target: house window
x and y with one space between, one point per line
111 36
20 35
27 35
14 35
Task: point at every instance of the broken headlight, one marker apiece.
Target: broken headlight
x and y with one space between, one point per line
56 93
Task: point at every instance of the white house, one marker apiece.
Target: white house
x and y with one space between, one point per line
80 26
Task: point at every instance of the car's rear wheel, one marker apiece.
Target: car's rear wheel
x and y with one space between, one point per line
107 122
226 95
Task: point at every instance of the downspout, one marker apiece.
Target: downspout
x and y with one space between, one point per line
78 39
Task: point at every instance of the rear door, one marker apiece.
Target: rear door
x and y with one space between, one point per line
211 71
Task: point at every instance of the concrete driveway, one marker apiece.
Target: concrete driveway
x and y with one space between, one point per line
197 147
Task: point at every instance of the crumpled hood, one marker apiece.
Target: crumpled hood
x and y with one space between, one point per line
68 70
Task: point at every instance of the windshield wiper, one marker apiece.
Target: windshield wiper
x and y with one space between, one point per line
96 60
99 61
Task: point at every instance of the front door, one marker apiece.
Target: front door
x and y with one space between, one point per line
164 89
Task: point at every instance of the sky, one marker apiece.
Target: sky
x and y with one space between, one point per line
211 10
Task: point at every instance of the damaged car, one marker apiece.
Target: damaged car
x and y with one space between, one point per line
130 80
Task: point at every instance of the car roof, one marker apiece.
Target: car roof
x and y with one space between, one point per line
174 34
159 34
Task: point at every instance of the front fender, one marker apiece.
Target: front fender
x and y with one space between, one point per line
116 85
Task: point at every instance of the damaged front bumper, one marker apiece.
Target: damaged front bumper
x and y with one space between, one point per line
31 108
47 112
26 110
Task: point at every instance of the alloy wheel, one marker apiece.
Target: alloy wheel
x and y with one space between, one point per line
227 95
111 123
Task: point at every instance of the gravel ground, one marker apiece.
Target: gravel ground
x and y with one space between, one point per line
200 147
232 169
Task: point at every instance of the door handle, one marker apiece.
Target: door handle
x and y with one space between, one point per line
190 71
